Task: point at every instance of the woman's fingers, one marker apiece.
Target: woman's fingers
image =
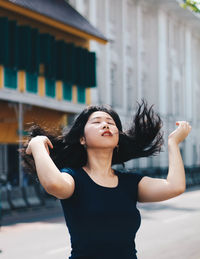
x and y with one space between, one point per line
181 132
38 140
47 147
184 125
49 143
28 150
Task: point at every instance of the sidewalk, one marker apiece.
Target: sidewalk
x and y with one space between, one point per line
51 209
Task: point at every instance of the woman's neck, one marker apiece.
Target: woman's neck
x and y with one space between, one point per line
99 162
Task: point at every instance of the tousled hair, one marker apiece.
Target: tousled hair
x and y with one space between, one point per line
144 138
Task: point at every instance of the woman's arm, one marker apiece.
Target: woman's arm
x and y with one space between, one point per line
151 189
54 182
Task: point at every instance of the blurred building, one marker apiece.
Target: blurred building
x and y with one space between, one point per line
153 53
46 71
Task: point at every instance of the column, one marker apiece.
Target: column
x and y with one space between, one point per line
94 47
163 78
20 129
188 96
124 60
139 52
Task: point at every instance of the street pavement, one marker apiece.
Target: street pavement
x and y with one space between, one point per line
169 230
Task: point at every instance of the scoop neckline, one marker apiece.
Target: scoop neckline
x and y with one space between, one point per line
101 186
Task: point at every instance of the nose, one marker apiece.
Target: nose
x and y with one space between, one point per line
105 125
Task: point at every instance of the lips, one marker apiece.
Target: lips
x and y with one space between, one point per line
107 133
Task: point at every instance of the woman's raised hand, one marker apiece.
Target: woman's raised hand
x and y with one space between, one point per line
181 132
36 142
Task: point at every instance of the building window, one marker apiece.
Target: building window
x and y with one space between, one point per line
81 95
10 78
50 88
31 83
67 92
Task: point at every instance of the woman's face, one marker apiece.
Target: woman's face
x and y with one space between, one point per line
100 131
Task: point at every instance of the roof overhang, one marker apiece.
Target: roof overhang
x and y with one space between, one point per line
88 32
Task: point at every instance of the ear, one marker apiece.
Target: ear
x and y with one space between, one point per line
82 141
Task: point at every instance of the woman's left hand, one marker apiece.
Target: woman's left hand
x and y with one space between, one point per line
181 132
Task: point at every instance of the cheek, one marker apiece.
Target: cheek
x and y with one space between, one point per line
90 133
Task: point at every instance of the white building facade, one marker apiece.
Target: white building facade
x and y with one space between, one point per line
153 53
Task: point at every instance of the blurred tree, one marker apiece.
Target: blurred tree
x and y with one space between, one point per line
192 5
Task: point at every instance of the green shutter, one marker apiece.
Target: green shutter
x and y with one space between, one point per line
4 46
87 68
84 75
45 48
10 78
80 67
70 73
48 54
67 92
50 88
51 66
35 51
13 45
58 45
92 69
31 83
24 48
60 60
81 94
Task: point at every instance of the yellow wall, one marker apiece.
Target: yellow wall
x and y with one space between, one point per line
9 120
46 117
74 94
88 96
41 86
1 77
21 81
59 90
8 124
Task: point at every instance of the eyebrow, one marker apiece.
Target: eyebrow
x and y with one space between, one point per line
108 118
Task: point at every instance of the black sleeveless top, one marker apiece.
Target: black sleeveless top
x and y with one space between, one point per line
102 221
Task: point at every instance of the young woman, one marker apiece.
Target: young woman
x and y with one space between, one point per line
99 203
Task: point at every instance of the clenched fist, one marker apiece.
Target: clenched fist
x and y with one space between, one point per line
180 133
37 142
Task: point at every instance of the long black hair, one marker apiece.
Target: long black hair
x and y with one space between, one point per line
144 138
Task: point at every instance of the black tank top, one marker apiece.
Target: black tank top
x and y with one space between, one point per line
102 221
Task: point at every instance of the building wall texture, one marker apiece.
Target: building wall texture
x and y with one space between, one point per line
153 53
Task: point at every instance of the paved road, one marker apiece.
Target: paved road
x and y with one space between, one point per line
169 230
